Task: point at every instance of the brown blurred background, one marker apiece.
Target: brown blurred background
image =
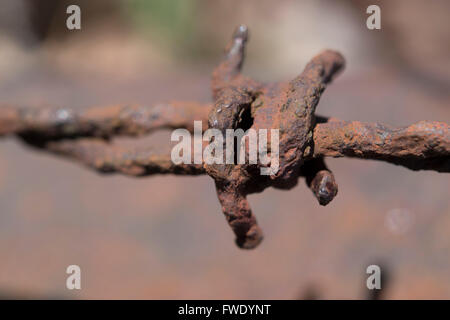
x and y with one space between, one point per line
164 236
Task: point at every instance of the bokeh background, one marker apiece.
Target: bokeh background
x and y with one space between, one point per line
164 237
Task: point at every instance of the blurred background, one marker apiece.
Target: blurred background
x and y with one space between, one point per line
164 237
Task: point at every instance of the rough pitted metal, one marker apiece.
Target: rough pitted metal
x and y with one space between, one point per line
239 102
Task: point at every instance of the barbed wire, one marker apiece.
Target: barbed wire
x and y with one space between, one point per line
239 103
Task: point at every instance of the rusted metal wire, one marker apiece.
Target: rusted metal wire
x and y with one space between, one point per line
239 102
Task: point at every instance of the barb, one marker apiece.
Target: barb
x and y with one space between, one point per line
239 103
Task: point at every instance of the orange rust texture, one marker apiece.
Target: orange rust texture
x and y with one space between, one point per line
423 145
239 102
132 120
289 107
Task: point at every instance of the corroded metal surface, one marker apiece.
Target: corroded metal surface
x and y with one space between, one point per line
239 102
133 120
424 145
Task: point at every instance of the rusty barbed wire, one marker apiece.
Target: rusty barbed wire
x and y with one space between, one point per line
239 103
